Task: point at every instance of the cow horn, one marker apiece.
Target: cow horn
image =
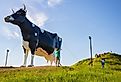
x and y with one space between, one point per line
12 10
24 7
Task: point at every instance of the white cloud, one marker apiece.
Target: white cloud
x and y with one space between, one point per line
43 3
38 18
15 34
54 2
9 34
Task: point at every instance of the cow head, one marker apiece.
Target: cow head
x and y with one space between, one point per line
17 17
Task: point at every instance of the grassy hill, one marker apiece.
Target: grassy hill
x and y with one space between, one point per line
79 72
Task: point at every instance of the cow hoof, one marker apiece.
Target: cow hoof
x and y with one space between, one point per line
30 65
22 66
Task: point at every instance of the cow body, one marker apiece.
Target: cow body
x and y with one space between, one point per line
36 40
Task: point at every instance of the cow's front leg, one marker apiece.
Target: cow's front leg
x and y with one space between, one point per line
32 61
32 47
32 57
25 57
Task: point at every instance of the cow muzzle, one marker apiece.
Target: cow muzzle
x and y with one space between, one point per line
9 19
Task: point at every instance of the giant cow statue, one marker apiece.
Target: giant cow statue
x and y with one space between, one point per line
35 39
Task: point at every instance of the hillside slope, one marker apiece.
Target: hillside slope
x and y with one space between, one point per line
111 59
79 72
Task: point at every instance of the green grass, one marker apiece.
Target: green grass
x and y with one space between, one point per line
79 72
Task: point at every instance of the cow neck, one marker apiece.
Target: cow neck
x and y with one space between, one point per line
26 29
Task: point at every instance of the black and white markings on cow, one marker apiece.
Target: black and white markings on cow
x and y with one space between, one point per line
35 34
26 45
33 25
42 30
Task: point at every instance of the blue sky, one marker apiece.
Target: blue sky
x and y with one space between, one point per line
73 20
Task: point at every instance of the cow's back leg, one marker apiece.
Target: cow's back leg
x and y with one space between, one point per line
26 51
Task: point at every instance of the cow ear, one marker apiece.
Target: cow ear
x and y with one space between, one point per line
12 10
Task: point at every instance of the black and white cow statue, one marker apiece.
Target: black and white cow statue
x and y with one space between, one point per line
36 40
